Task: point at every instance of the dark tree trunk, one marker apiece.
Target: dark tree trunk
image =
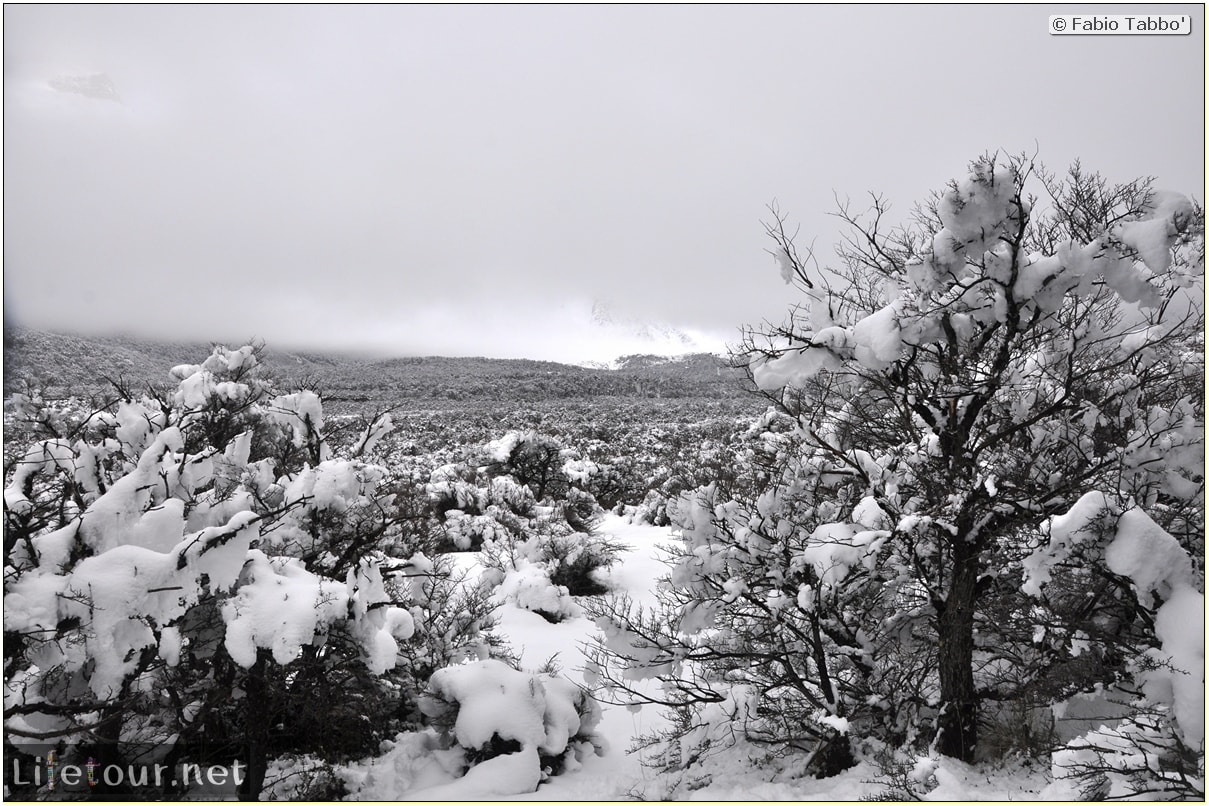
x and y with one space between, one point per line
834 755
958 723
106 745
256 727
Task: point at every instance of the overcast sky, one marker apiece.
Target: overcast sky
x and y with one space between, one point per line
469 180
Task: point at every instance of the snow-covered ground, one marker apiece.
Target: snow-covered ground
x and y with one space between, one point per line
413 769
612 776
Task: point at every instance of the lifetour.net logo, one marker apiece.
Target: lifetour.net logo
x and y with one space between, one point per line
150 772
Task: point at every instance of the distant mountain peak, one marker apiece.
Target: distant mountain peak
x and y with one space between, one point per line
92 85
601 313
654 337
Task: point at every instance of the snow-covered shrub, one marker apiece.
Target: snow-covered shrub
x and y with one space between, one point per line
474 507
528 586
490 709
415 761
652 510
533 459
613 482
510 495
577 561
217 573
570 559
453 486
580 510
467 532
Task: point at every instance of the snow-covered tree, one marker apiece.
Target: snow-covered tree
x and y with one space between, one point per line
956 384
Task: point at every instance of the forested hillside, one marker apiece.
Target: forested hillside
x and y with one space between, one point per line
71 364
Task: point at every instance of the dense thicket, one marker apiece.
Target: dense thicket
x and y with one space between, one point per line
216 570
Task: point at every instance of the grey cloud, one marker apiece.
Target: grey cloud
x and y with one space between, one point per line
332 173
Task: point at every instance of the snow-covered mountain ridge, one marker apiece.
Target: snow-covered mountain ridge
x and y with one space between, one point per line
634 335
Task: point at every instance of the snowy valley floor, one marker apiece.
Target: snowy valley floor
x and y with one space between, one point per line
407 772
